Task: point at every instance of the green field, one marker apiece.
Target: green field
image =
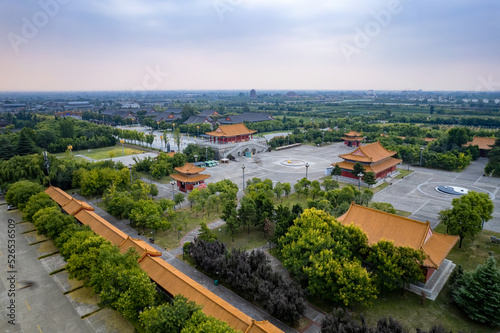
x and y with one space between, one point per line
103 153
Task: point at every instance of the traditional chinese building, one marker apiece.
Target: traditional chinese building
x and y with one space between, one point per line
231 134
484 144
403 231
374 158
189 177
352 139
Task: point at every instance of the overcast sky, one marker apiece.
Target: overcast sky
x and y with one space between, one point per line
245 44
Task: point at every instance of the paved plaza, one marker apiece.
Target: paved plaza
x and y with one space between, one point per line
416 193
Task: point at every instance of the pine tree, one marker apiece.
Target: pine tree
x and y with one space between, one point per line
478 293
25 145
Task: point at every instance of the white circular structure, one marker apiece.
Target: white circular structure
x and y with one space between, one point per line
453 190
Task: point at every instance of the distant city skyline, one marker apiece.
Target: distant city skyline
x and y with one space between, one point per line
132 45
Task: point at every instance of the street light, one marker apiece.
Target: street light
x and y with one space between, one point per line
195 158
161 142
359 176
243 168
197 130
47 163
206 154
173 191
307 167
70 149
421 150
130 169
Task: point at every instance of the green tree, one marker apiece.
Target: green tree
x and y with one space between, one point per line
330 184
461 220
206 233
179 198
145 214
278 190
357 169
51 222
480 202
84 254
287 188
336 171
168 317
67 128
177 139
35 203
478 293
341 281
369 178
384 206
247 214
25 144
20 192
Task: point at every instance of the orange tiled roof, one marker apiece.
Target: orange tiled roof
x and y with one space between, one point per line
141 247
190 178
369 153
373 167
483 143
74 206
101 227
168 277
353 133
58 195
231 130
352 138
189 169
402 231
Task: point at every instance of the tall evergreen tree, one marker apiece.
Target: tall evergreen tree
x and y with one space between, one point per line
478 293
25 145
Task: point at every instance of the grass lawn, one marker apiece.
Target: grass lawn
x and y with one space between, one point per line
102 153
162 180
187 221
109 152
242 240
403 173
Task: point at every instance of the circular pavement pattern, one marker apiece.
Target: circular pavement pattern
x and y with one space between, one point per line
453 190
293 162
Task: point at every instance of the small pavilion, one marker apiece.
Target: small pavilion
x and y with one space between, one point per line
353 139
231 134
403 231
189 177
484 144
374 158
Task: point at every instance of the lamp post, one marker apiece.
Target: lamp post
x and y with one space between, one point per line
161 142
243 168
288 136
130 170
123 151
322 138
197 130
421 150
359 176
70 149
47 163
206 154
173 191
307 167
195 158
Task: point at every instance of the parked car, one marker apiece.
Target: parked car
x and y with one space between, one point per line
11 207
